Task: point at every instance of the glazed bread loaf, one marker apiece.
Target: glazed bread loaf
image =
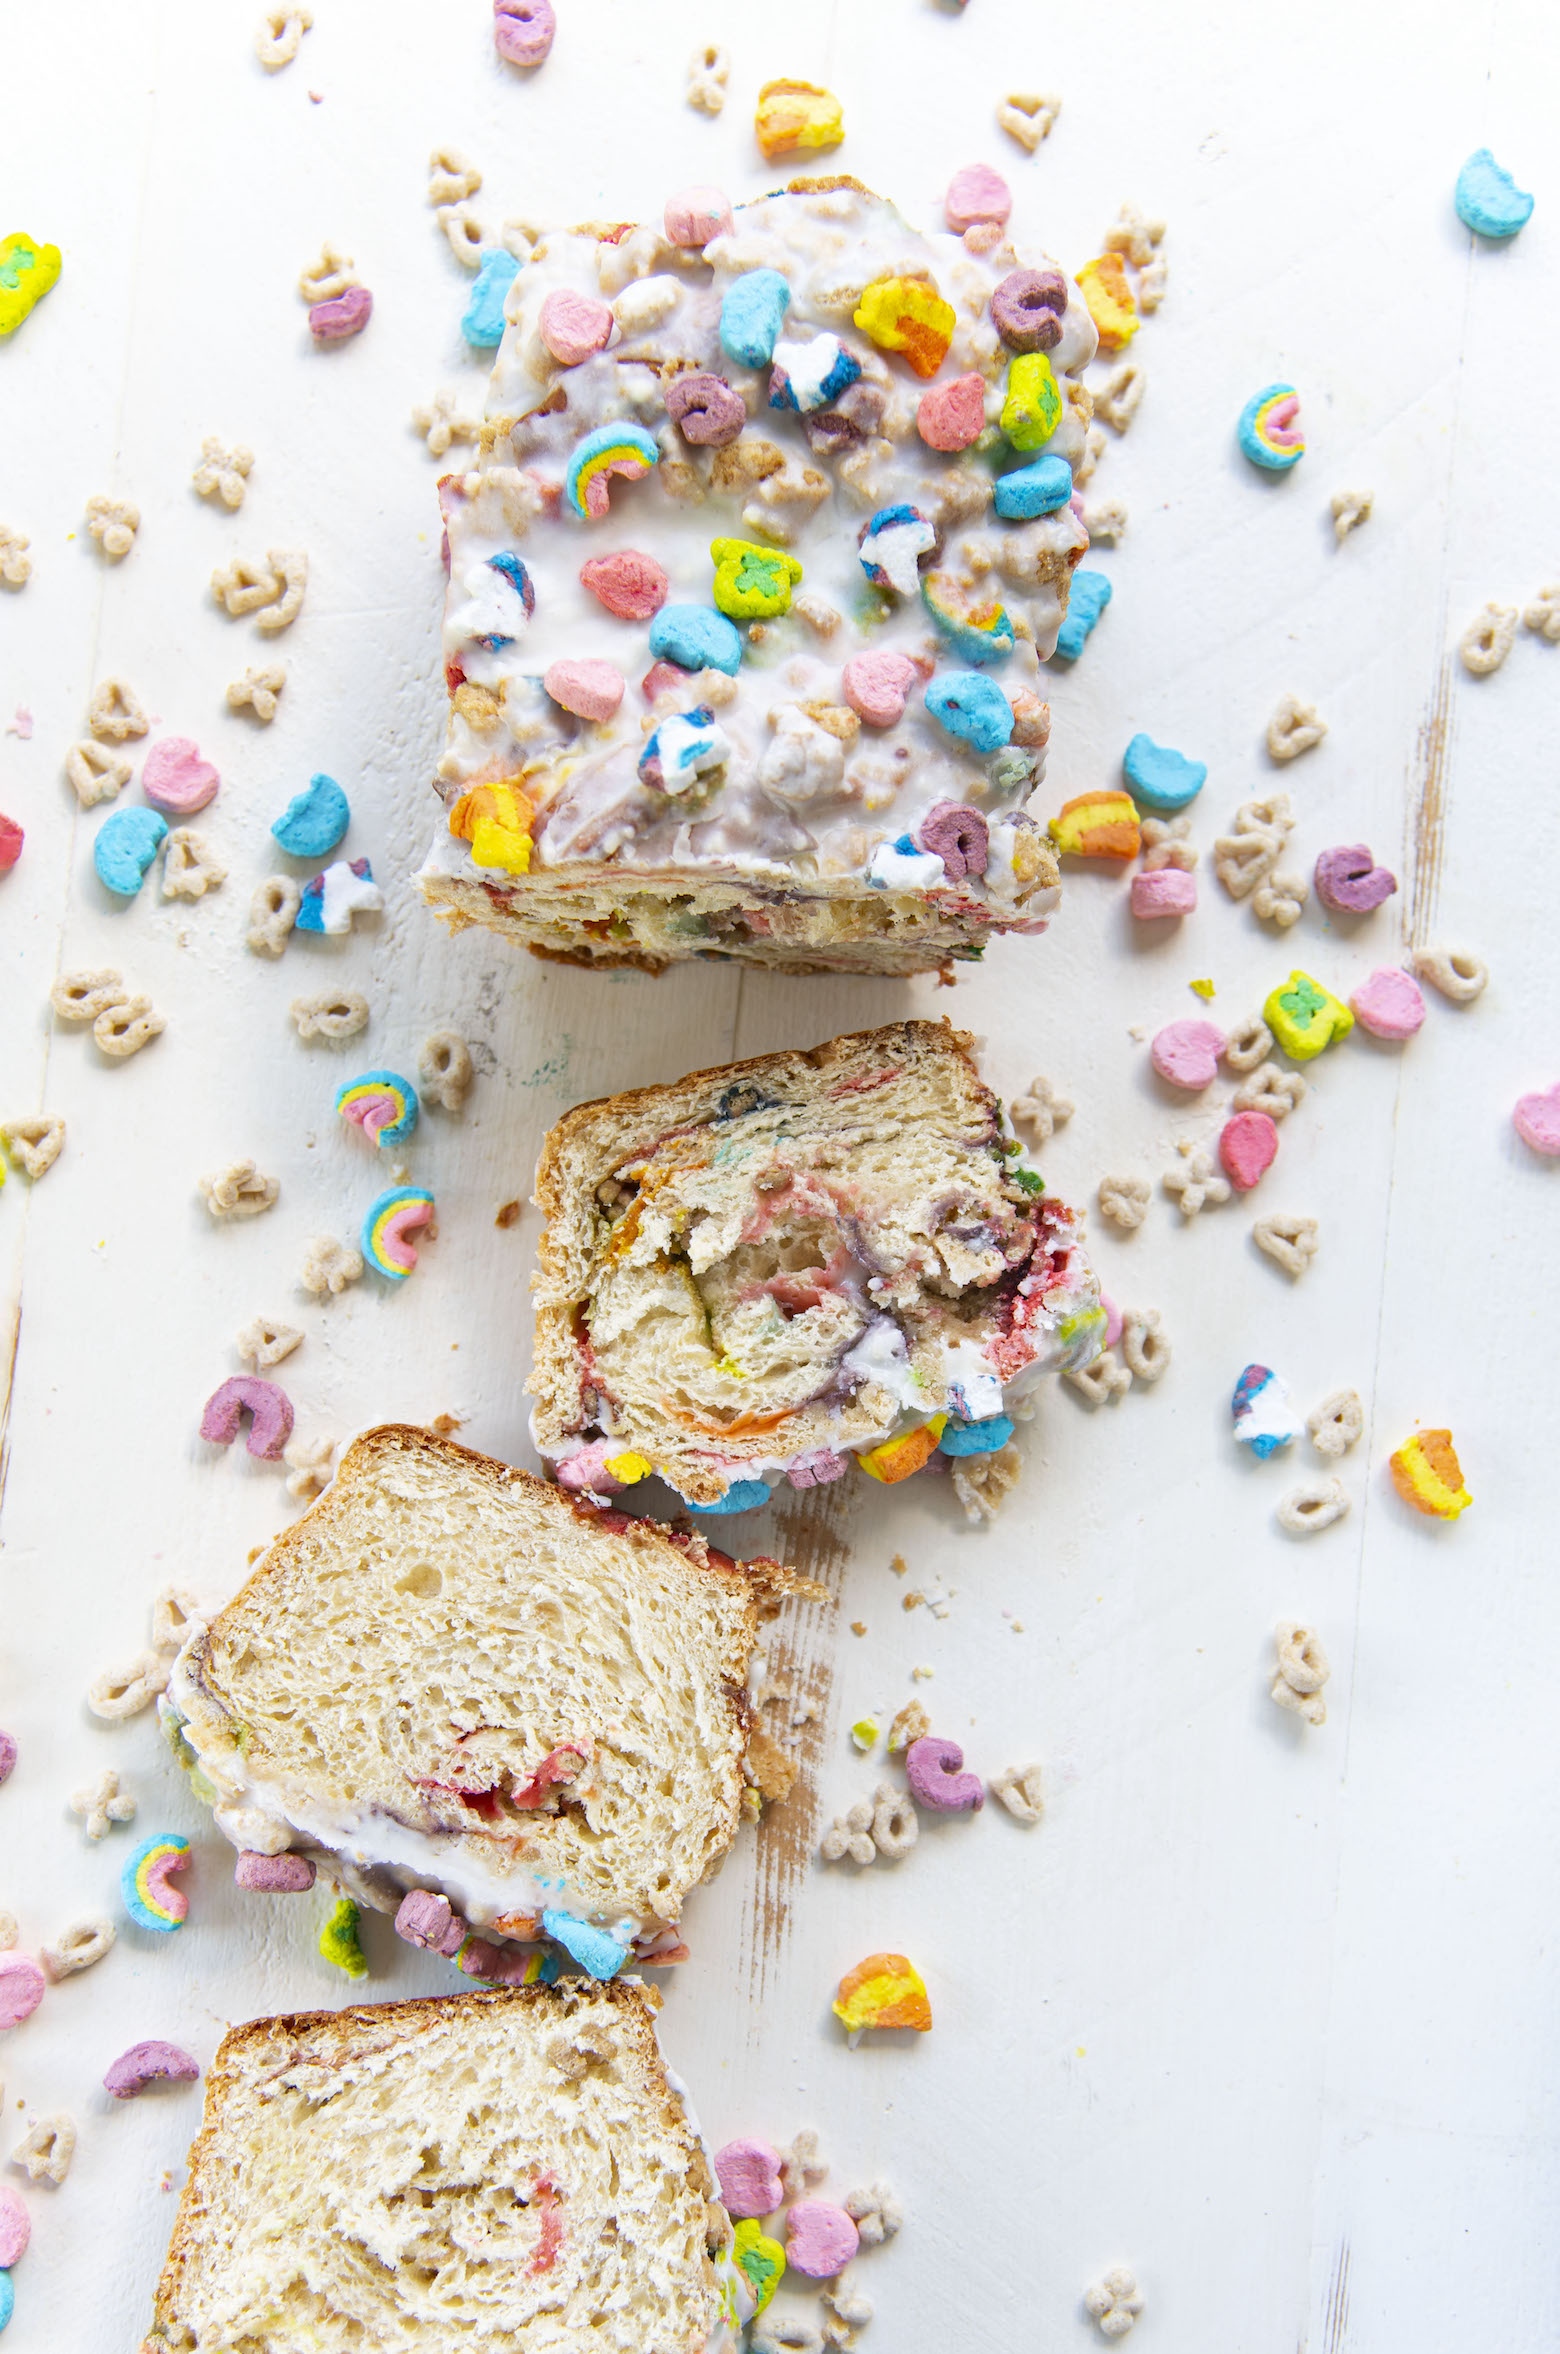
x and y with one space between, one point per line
776 1266
450 1676
767 534
509 2173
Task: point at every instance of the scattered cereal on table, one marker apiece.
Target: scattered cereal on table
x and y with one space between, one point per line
274 1875
1455 972
1248 1146
1028 116
1542 616
34 1141
709 69
147 2063
1270 1090
1124 1201
749 2176
1488 199
330 901
343 316
1114 2302
1020 1790
382 1104
15 2227
820 2239
101 1804
1040 1111
523 30
1349 881
47 2148
338 1940
792 117
190 867
1337 1423
125 1691
1426 1473
1536 1119
22 1988
265 1342
281 30
1121 396
1488 639
1105 1378
1304 1017
1159 777
125 847
441 422
175 779
95 773
309 1464
145 1883
1312 1506
269 1410
934 1770
885 1990
1087 599
1269 430
27 272
113 523
911 1724
257 691
1145 1344
1195 1183
1186 1054
239 1191
222 473
761 2262
1280 898
983 1482
329 1266
77 1948
1350 508
1261 1411
114 712
389 1225
15 563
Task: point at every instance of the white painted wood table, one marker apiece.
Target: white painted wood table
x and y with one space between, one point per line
1267 2013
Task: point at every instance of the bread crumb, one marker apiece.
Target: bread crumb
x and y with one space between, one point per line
898 1565
858 1626
444 1425
913 1599
509 1215
922 1675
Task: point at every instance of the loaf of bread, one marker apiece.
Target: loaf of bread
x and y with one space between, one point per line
508 2173
776 1267
766 536
450 1676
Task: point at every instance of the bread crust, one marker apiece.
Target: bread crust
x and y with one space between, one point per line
260 2047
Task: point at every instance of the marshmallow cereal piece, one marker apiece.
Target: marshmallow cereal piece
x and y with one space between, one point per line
176 779
1305 1018
278 1875
885 1990
1350 883
149 2063
1087 599
1312 1506
338 1941
330 901
1186 1054
1536 1119
976 194
389 1225
1302 1671
146 1883
749 2176
124 848
1488 200
1269 430
1097 825
1426 1473
1453 971
27 271
22 1986
1337 1423
270 1416
934 1769
624 450
523 30
761 2262
382 1104
820 2239
1163 891
1389 1003
1019 1789
1248 1145
1263 1416
792 117
15 2227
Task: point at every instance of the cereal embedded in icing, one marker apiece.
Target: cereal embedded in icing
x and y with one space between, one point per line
773 424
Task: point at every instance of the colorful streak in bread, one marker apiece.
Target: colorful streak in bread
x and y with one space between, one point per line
1269 431
150 1900
619 448
1426 1473
389 1225
886 1990
382 1104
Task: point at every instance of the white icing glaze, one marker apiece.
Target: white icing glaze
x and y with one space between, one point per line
795 800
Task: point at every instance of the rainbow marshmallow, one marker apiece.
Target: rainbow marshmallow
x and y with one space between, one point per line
144 1883
612 449
388 1226
1269 430
382 1104
980 633
886 1990
1426 1473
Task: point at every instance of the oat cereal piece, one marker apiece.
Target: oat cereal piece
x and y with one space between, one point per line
1152 283
846 2311
981 1482
785 2330
125 1691
1295 727
441 421
175 1616
801 2167
329 278
222 473
293 565
102 1804
463 233
1145 1347
1543 615
77 1947
273 912
123 1029
876 2213
281 30
189 868
95 773
1337 1423
1094 448
309 1464
1167 842
1453 971
34 1141
850 1835
1247 857
1196 1183
1028 116
15 563
1302 1671
1314 1505
1124 1201
239 1191
1280 899
243 587
895 1826
257 690
445 1071
113 523
1114 2302
265 1342
1122 396
115 713
1040 1111
1350 508
46 2149
911 1724
9 1932
452 177
1292 1241
1248 1044
1488 639
1104 1379
329 1266
821 617
1021 1791
1270 1090
333 1014
1135 238
81 996
1105 519
708 70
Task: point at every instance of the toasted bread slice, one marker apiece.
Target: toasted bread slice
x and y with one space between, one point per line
450 1676
774 1266
500 2172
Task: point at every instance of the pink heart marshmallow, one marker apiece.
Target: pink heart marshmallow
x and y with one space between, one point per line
877 686
1187 1053
1390 1004
1536 1119
174 776
749 2176
820 2239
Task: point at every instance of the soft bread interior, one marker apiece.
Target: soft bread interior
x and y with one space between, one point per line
399 1669
788 1255
489 2171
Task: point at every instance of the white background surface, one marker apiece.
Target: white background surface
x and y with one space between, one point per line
1267 2013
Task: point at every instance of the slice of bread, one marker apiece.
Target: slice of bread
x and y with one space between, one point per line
498 2172
772 1266
450 1676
